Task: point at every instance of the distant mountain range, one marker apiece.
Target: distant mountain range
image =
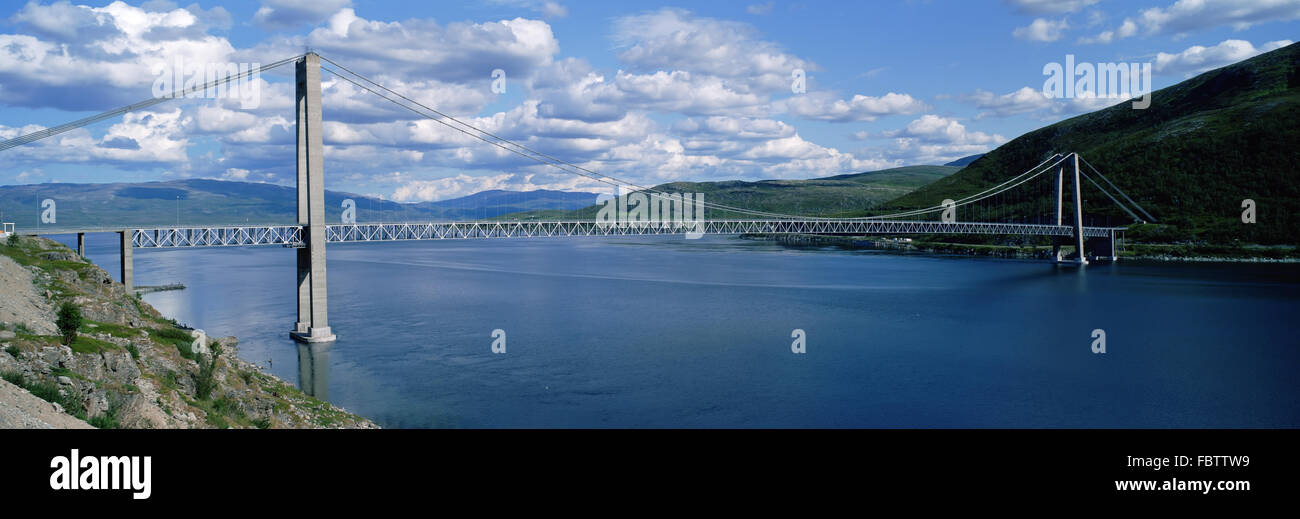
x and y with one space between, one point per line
1204 145
965 160
202 201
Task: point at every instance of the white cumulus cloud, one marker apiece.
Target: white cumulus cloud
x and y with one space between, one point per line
858 108
1197 59
1042 29
285 14
1049 6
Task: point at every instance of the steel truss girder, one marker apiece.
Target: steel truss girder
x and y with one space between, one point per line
286 235
291 235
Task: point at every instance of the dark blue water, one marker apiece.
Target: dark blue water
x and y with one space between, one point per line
666 332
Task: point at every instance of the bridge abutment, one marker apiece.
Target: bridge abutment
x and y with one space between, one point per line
313 311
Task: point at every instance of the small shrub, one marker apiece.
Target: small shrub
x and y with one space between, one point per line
49 392
104 421
169 380
12 241
46 391
135 301
217 421
205 381
135 350
69 320
109 419
174 334
14 378
181 339
227 407
262 423
14 352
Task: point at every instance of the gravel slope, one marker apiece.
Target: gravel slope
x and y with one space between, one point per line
22 410
19 300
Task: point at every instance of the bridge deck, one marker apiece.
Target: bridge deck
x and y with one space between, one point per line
292 235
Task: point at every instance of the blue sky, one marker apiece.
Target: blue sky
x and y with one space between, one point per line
645 91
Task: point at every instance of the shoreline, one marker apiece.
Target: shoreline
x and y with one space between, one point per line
126 365
915 247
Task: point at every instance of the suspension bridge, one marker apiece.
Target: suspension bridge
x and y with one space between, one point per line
1035 202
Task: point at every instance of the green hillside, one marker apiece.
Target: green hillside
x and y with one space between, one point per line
1190 159
829 196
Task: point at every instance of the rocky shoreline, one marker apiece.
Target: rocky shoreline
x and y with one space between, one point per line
129 366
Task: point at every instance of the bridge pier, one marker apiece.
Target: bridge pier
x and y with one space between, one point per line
1114 251
313 313
1060 187
128 265
1078 213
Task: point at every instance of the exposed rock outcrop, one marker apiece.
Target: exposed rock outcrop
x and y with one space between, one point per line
129 366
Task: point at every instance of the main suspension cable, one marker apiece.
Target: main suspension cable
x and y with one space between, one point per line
56 130
519 149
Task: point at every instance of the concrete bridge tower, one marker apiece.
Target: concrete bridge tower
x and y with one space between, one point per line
313 312
1077 222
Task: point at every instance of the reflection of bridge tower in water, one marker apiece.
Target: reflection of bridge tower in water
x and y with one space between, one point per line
314 369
